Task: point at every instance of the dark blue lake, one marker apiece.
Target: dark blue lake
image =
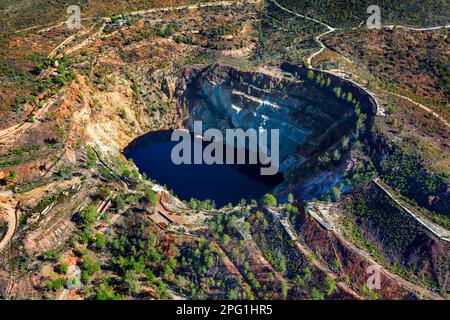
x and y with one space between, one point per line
219 182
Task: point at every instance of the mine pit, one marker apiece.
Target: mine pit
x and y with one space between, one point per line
310 118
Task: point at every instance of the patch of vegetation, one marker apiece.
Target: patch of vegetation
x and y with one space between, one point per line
389 234
17 156
268 200
201 59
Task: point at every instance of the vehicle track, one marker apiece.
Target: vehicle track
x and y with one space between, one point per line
322 48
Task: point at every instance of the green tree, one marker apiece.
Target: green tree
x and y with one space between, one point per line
63 267
232 294
91 157
51 255
88 216
330 285
345 142
119 201
12 175
349 97
100 241
284 290
324 160
307 274
336 192
298 282
103 192
126 172
316 294
336 155
106 292
337 91
90 265
225 239
268 200
54 285
131 280
150 195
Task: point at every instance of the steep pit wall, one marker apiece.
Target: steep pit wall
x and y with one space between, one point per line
310 119
367 103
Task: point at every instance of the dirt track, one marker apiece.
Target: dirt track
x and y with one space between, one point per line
323 47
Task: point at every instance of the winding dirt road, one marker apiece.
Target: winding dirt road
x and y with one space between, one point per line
380 110
322 48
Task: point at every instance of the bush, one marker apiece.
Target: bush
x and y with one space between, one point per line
100 241
54 285
88 216
63 267
150 195
330 285
268 200
91 157
316 294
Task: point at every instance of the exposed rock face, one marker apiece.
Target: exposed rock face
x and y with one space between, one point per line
310 119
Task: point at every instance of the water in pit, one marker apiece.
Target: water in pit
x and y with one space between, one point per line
219 182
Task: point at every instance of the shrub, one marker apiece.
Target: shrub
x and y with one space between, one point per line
63 267
100 241
88 216
316 294
54 285
150 196
330 285
91 157
268 200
